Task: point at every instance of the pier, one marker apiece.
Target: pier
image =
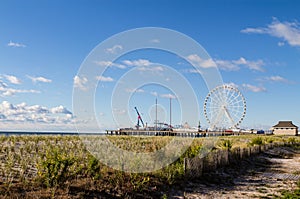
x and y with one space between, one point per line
138 132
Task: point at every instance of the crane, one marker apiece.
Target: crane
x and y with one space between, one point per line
139 119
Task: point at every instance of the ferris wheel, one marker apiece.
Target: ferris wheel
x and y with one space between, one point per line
224 107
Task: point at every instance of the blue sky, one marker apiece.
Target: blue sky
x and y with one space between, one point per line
255 44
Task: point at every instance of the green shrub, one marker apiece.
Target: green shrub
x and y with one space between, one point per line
139 181
256 141
226 144
291 195
269 140
291 140
192 151
94 168
55 169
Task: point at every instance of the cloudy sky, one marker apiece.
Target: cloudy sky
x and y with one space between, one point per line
254 44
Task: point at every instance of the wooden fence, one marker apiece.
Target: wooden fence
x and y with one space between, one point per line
195 167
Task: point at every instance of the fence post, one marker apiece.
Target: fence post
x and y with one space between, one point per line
193 167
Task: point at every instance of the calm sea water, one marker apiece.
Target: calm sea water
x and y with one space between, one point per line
10 133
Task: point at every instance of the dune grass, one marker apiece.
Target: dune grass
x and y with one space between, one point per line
56 163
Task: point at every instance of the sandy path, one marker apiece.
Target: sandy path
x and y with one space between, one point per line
263 176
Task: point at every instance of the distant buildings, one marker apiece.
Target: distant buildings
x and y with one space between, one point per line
285 128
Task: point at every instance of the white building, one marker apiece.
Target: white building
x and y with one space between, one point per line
285 128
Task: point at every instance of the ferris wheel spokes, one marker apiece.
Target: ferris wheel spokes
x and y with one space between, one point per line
224 107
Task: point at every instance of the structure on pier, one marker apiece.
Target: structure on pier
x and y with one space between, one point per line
285 128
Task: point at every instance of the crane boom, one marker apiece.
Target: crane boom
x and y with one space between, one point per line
139 118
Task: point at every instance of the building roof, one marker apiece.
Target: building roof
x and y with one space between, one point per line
285 124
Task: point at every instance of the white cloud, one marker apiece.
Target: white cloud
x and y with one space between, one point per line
247 87
34 114
235 65
280 44
143 65
152 69
255 30
168 96
154 41
10 92
276 79
114 49
198 61
154 93
104 79
227 65
139 90
252 65
231 84
12 79
288 31
33 109
39 79
5 91
7 105
60 109
80 82
119 111
14 44
137 63
110 64
2 84
194 71
253 88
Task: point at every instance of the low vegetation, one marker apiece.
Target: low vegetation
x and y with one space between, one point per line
62 165
226 144
291 194
257 141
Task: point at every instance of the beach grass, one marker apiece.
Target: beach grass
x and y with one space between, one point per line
57 164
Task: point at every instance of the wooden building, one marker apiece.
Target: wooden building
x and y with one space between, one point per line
285 128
